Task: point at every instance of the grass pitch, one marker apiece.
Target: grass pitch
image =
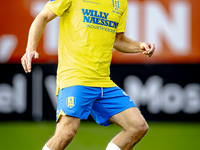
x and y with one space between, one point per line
161 136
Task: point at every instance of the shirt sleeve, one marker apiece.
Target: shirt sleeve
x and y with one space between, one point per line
122 23
58 6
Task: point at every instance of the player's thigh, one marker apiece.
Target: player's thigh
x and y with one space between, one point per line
129 119
67 125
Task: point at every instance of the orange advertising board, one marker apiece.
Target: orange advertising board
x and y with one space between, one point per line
173 25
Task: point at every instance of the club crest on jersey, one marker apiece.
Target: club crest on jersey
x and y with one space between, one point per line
52 0
116 4
71 102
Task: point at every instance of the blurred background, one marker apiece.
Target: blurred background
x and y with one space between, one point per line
166 87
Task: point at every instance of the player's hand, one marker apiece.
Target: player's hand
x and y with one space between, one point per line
26 60
147 49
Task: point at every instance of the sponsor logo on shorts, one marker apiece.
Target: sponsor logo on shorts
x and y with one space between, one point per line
71 102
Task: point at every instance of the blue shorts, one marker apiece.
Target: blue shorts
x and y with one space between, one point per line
101 103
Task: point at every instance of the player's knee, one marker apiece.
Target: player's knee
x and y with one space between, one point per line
67 127
66 135
69 134
140 128
143 129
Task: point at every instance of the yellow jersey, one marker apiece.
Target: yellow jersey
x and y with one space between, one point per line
86 38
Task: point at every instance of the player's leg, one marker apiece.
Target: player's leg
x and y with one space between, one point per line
115 106
74 104
66 129
134 128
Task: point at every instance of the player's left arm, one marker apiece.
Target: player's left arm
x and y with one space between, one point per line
126 45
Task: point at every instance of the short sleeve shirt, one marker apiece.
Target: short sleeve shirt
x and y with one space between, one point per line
86 39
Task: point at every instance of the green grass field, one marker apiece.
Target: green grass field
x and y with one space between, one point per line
161 136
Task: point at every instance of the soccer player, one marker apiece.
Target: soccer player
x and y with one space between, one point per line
89 29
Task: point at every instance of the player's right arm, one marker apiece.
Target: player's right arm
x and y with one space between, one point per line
35 33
